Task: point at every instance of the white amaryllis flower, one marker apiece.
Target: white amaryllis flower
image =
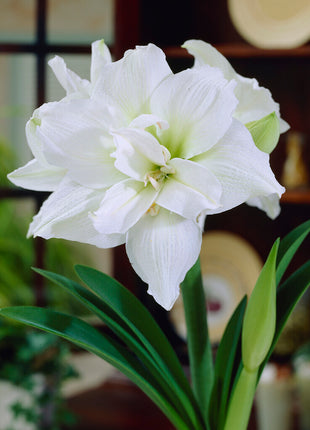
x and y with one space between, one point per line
254 103
140 156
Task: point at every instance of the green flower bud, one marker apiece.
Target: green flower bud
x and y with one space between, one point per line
265 132
241 402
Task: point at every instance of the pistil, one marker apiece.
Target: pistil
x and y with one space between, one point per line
158 176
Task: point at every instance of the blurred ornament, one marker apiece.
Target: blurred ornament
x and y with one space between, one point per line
295 174
230 267
272 24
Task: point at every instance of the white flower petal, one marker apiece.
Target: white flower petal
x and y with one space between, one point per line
147 120
123 205
243 170
204 53
255 102
65 215
34 142
183 200
69 80
86 155
191 190
269 204
70 135
54 123
197 177
100 57
137 152
162 249
34 176
198 105
130 81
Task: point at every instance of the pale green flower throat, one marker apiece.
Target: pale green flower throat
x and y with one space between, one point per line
157 176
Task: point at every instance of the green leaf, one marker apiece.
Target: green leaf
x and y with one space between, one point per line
88 338
260 315
288 247
265 132
131 311
199 346
241 401
294 287
288 296
227 363
125 333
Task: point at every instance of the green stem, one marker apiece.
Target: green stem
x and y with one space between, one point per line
199 346
240 406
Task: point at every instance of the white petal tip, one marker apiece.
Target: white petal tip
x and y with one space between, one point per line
166 301
55 59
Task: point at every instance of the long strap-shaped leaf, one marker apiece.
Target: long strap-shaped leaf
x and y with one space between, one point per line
228 358
93 302
288 295
85 336
131 311
199 345
288 247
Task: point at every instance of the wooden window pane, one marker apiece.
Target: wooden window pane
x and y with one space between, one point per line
80 21
17 101
17 20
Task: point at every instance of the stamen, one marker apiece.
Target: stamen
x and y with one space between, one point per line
158 176
167 170
166 154
153 210
154 182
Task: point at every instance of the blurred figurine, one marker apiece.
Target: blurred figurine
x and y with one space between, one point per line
295 174
274 398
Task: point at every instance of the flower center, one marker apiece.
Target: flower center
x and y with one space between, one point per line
157 177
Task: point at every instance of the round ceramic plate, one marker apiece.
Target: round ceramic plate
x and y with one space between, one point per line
230 267
272 23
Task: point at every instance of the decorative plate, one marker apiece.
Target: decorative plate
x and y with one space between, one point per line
272 23
230 267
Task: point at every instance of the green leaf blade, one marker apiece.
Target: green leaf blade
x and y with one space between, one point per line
124 332
199 345
260 315
288 295
228 361
288 247
88 338
140 321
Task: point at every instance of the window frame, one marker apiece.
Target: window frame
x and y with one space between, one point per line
126 35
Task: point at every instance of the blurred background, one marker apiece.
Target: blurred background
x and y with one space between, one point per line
268 40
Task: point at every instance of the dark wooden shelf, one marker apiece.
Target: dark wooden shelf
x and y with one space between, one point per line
120 405
300 196
243 50
116 405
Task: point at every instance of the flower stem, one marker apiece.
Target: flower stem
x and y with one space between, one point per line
199 346
240 406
